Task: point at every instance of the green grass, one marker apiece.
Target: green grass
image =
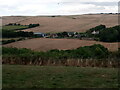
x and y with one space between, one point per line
10 38
13 27
21 76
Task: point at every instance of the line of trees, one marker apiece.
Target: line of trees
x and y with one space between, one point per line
7 41
12 40
13 34
33 25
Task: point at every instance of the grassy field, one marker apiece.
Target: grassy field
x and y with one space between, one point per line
19 76
13 27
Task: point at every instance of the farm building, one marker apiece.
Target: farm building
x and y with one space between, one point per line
40 34
70 34
95 32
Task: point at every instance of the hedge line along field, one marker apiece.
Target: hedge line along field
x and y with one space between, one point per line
22 76
45 44
88 56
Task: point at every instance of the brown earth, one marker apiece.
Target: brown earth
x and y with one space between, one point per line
44 44
78 23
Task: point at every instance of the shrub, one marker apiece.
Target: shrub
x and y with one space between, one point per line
94 51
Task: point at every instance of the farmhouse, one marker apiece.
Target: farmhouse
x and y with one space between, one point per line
53 35
40 34
95 32
70 34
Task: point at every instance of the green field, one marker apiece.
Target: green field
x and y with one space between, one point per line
9 38
21 76
13 27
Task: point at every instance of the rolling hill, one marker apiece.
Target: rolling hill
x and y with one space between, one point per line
78 23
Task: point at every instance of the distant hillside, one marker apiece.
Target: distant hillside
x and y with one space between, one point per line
78 23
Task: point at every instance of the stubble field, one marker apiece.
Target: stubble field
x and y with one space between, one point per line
77 23
45 44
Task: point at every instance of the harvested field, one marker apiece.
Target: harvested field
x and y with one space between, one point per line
78 23
44 44
13 19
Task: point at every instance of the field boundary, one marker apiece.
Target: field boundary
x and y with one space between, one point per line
112 63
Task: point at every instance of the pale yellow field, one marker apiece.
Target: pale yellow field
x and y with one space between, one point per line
81 23
44 44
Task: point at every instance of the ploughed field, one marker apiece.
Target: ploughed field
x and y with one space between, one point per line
45 44
76 23
22 76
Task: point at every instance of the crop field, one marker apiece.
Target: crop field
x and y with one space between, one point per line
45 44
21 76
78 23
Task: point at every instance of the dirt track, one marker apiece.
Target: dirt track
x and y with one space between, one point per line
44 44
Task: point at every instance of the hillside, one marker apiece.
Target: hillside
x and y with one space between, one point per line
44 44
78 23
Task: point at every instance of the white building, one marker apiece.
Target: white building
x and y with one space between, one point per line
95 32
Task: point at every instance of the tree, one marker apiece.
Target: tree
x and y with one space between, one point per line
109 35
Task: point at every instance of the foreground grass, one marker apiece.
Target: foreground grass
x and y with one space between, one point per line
21 76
